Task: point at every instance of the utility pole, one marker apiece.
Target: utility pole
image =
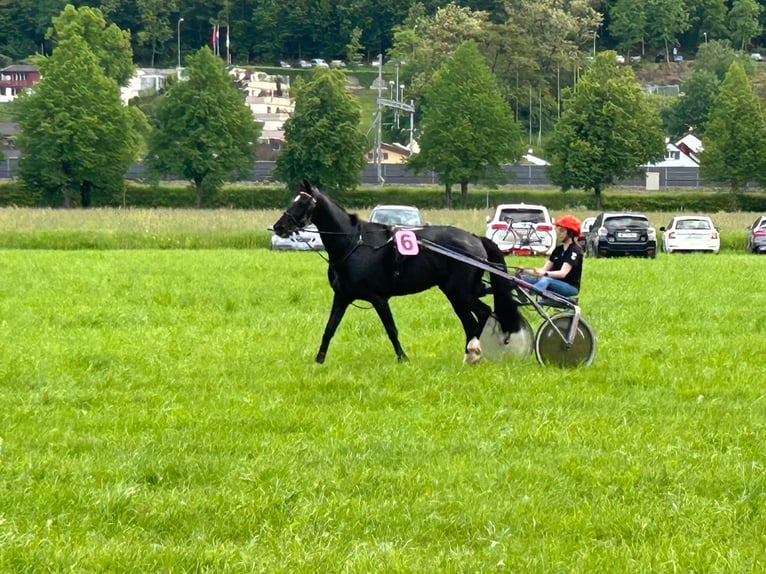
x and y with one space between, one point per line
178 33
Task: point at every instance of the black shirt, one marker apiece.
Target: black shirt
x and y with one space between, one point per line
573 256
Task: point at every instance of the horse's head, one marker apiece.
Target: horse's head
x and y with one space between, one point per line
298 214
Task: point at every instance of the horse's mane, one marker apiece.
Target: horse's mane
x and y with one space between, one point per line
330 205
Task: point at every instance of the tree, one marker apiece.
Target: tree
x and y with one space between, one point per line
324 142
735 140
716 57
628 23
468 130
690 110
110 44
606 132
743 21
667 20
156 26
203 132
76 135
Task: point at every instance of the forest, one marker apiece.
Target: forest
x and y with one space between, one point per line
266 31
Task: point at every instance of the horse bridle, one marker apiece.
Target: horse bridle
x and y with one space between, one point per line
307 214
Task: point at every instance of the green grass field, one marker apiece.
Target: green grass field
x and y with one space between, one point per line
160 411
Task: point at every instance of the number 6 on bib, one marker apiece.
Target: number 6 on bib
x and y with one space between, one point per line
406 242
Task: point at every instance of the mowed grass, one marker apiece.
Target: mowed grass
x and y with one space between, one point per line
160 411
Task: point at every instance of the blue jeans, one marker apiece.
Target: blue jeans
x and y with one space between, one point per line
550 284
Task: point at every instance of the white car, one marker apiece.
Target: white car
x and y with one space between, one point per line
522 229
318 63
306 239
396 215
585 226
690 233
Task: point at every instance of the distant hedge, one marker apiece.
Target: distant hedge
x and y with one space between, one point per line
258 196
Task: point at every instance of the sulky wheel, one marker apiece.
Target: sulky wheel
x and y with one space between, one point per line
551 346
495 344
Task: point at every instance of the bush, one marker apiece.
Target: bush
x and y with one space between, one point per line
276 196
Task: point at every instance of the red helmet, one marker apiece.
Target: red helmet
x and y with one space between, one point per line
569 222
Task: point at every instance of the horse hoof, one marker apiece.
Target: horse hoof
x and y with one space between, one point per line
472 352
471 358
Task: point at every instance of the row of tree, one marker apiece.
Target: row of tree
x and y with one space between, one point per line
78 138
534 48
267 30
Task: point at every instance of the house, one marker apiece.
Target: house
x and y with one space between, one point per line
530 159
691 145
683 153
8 133
145 82
15 78
390 153
268 97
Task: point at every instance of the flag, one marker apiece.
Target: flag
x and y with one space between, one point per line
213 36
228 54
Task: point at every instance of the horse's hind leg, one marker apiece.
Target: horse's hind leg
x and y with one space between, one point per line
384 312
339 306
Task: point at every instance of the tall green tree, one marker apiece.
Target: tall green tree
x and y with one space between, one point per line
468 130
109 43
735 140
690 110
744 22
628 24
156 29
76 135
667 20
324 141
606 132
203 131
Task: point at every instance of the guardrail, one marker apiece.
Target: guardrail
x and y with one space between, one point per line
399 174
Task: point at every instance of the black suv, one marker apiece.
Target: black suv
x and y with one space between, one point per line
621 234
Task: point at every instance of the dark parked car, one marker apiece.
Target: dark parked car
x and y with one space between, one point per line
621 234
756 238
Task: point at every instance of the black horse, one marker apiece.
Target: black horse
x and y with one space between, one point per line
365 264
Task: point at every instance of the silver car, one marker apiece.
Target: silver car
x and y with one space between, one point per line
396 215
307 239
756 237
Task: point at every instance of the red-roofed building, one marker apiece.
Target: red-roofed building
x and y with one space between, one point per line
16 78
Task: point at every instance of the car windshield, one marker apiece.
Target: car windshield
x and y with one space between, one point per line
517 216
396 217
626 221
693 224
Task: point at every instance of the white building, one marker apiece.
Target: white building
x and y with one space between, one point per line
268 96
145 81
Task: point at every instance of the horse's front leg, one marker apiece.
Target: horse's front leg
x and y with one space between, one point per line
384 312
339 306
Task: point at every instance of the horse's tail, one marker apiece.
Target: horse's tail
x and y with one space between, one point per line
506 309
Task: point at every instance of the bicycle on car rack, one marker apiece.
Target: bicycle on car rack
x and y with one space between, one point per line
563 338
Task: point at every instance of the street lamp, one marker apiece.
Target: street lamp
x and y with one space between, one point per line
178 33
705 34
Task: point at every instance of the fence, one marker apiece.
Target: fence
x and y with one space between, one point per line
399 174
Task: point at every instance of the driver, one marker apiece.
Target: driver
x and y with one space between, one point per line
562 271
